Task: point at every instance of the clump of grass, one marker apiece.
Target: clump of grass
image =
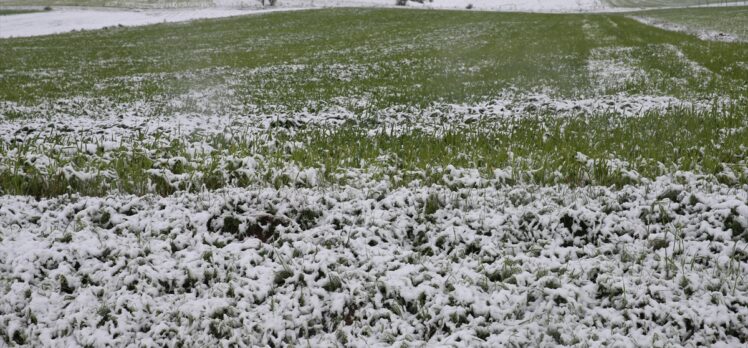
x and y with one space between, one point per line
307 218
733 224
281 276
333 283
65 286
231 225
8 12
66 238
105 314
19 337
659 243
431 205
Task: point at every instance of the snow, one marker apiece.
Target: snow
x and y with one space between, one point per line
116 121
494 265
707 35
66 19
659 262
63 20
613 67
363 262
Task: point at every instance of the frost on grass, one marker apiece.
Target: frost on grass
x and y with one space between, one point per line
693 68
622 68
131 149
193 108
662 263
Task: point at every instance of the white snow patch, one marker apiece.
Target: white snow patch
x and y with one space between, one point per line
706 35
613 67
63 20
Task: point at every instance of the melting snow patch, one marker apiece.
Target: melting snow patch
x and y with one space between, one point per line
707 35
613 67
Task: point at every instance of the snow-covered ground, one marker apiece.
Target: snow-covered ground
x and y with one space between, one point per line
114 118
661 264
479 263
479 258
69 19
65 19
703 34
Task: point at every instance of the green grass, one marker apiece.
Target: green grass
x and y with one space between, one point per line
680 140
396 58
729 20
6 12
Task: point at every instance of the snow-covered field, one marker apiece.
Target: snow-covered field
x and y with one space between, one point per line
328 183
710 35
661 264
476 261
